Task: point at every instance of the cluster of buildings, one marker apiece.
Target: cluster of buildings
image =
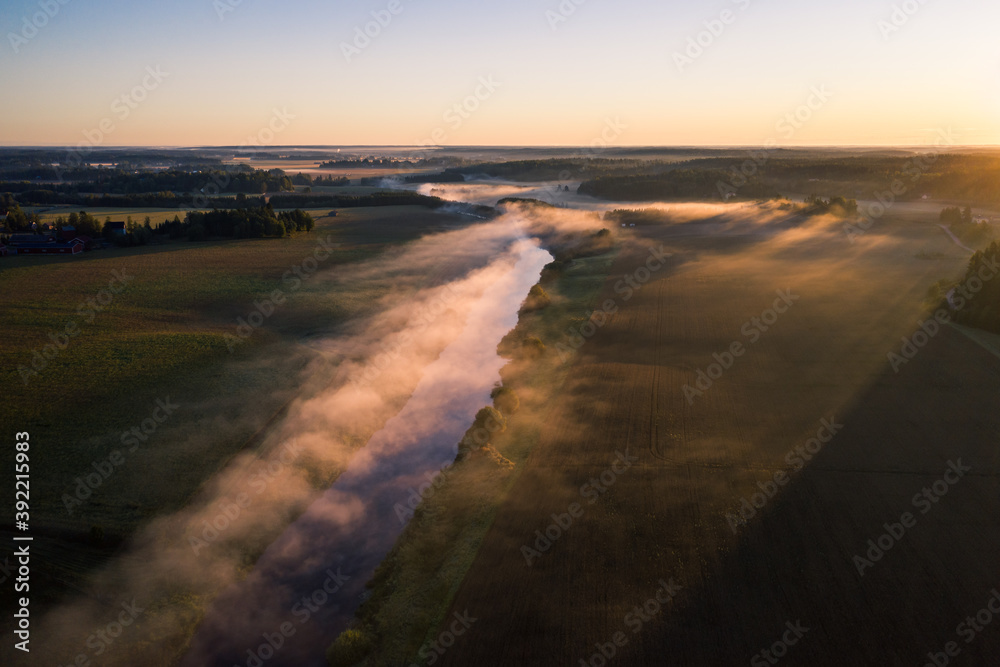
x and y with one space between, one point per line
64 241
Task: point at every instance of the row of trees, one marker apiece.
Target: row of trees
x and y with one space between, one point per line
155 188
839 206
960 221
980 309
678 184
17 220
135 234
954 215
242 223
328 181
944 176
370 162
145 200
169 200
392 198
238 179
644 216
85 224
561 169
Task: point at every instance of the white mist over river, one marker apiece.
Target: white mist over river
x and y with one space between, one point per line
312 577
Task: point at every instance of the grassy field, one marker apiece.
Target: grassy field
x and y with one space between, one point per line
156 330
49 214
675 512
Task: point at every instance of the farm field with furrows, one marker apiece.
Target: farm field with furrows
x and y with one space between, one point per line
659 480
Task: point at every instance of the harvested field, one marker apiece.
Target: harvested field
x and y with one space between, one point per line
674 513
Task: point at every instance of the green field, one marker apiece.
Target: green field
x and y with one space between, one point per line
163 335
49 214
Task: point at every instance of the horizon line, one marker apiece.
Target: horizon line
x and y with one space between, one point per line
600 149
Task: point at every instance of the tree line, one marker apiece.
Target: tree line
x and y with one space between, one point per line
961 223
388 198
839 206
240 223
678 184
980 307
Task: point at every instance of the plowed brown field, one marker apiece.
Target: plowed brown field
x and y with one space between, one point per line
665 517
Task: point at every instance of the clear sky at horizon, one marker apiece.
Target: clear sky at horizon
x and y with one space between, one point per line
226 71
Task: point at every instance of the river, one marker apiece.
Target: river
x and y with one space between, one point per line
289 608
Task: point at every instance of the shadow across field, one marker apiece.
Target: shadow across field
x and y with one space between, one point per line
793 561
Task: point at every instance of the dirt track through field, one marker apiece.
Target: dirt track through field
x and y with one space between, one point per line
669 515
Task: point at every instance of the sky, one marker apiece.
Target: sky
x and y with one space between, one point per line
518 72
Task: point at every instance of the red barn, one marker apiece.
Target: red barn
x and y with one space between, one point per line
48 248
